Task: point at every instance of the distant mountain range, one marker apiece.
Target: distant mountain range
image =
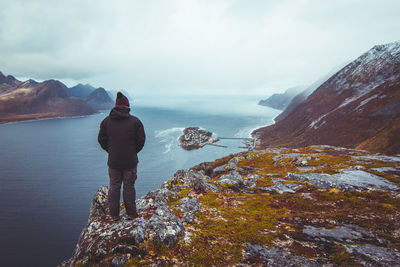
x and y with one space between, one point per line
359 106
31 100
98 98
81 91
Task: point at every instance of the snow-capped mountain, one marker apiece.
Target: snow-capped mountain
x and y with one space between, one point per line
359 106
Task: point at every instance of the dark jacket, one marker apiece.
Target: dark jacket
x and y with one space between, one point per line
122 136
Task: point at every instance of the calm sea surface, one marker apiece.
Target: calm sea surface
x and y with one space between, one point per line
50 170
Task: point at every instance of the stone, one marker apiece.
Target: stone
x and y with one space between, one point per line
188 207
202 186
219 170
280 187
119 261
232 179
270 256
232 163
344 233
233 175
371 255
99 207
371 158
346 180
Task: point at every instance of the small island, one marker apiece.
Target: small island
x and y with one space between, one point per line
195 138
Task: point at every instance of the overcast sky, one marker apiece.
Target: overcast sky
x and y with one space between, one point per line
191 47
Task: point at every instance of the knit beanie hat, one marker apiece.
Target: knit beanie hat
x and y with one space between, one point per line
121 100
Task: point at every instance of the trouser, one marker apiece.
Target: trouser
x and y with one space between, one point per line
128 178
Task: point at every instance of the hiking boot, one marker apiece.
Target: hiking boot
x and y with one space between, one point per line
112 218
132 216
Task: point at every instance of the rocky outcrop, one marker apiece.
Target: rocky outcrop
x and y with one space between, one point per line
194 138
32 100
312 206
281 101
357 107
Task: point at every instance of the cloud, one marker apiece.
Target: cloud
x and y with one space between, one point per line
190 46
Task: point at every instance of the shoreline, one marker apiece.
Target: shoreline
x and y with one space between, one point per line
46 118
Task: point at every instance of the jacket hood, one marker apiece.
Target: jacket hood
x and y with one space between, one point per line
120 112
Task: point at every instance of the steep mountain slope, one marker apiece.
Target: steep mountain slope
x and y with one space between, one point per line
280 101
7 83
358 106
32 100
99 99
81 91
302 96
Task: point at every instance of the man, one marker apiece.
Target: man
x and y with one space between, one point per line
122 136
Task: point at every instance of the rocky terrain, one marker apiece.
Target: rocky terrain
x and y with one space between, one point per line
33 100
281 101
194 138
312 206
358 107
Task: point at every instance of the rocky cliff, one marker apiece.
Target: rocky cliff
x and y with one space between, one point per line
33 100
312 206
359 106
281 101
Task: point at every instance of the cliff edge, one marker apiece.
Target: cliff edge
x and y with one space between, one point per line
312 206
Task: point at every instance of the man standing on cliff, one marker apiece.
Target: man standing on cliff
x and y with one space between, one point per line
122 136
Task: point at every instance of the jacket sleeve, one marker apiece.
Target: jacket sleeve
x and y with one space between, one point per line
141 137
102 137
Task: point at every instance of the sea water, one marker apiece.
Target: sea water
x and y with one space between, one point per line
50 170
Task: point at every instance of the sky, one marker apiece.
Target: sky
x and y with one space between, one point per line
188 47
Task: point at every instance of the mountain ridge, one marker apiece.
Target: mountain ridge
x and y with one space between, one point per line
82 91
351 107
32 100
100 99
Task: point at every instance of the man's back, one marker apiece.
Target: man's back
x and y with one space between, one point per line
122 136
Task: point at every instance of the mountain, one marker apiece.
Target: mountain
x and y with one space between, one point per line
302 96
280 101
99 99
312 206
359 106
33 100
81 91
